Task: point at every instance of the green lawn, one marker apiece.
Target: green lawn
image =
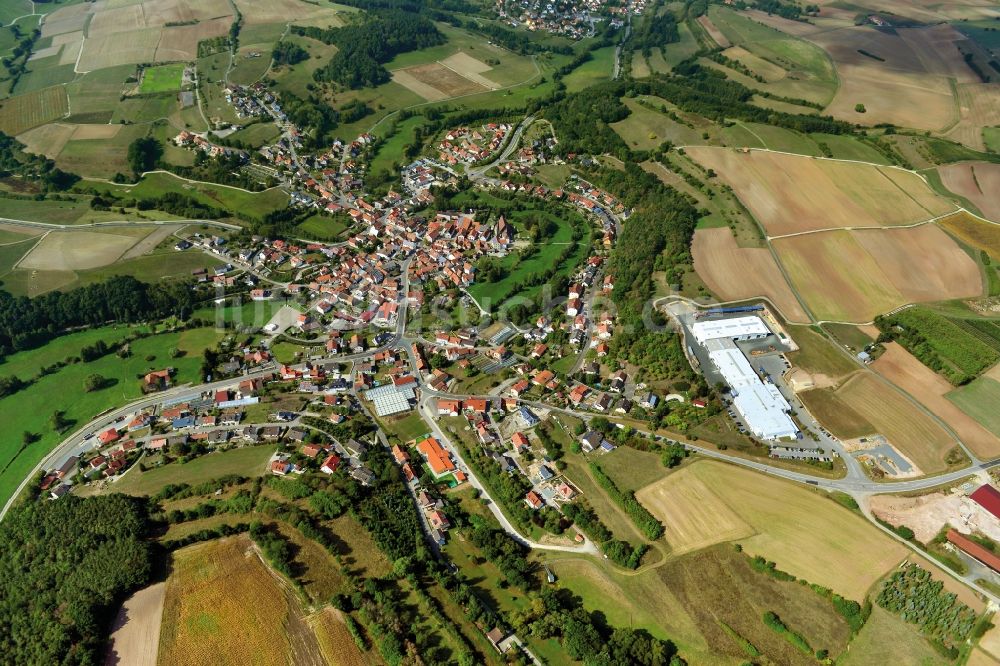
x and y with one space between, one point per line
245 461
405 426
632 469
846 147
323 227
390 153
11 254
979 399
257 134
163 78
30 410
991 135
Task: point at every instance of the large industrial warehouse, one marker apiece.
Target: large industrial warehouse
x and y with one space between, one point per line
760 403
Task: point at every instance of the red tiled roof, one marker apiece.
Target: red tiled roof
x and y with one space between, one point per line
975 550
987 497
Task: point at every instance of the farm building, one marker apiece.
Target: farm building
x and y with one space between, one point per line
987 497
737 328
760 403
974 550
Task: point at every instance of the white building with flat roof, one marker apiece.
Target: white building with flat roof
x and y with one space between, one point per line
761 405
737 328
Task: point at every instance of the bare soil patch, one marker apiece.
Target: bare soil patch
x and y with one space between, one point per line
735 273
904 370
979 182
135 637
470 68
927 514
449 82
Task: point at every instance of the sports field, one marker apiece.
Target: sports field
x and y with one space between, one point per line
220 590
791 194
735 273
847 554
978 182
164 78
942 399
909 429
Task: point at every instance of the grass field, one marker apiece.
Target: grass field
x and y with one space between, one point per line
599 68
645 129
632 469
219 590
29 410
245 461
818 356
809 72
979 399
878 642
157 184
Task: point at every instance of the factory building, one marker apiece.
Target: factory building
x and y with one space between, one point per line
760 404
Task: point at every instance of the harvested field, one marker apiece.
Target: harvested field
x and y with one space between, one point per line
735 273
816 265
889 267
905 371
979 182
848 555
225 606
23 112
472 69
70 52
836 416
135 634
923 263
181 42
694 516
713 31
335 641
980 235
281 11
149 243
907 428
67 19
435 82
77 250
899 98
791 193
95 132
48 139
979 108
110 49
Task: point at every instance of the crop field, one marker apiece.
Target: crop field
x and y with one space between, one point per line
630 469
282 11
737 273
879 642
791 194
71 250
889 268
980 235
809 72
907 428
848 555
94 96
181 42
717 36
100 157
978 182
435 82
818 356
953 407
694 516
22 112
220 590
163 78
835 415
335 641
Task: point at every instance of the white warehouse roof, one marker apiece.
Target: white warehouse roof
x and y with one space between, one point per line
737 327
760 404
